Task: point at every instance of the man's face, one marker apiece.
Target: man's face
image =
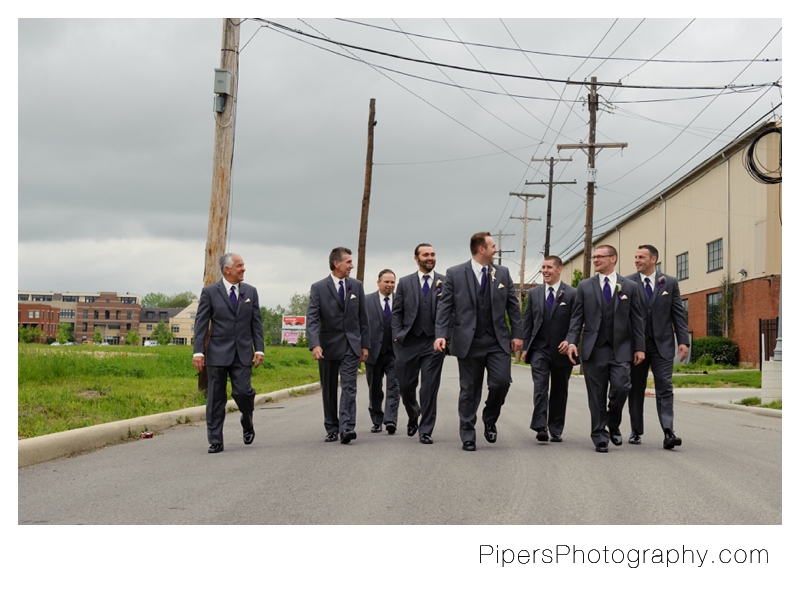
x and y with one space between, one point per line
486 253
234 274
426 259
603 261
645 263
386 284
550 272
342 268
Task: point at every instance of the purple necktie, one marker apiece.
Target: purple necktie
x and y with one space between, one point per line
607 291
234 301
550 298
483 279
425 287
341 290
387 311
647 287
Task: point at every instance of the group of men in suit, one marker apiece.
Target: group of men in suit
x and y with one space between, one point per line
403 330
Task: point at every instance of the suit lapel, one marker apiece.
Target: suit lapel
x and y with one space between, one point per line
471 284
598 293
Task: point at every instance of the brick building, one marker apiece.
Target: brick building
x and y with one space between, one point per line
42 316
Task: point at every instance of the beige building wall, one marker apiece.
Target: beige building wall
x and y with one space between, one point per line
184 321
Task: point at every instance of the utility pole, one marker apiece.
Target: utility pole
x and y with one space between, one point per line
592 173
223 156
222 163
362 237
524 219
552 161
500 235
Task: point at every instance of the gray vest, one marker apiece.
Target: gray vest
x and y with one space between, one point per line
484 319
424 322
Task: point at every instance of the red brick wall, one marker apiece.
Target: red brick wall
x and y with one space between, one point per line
47 321
754 299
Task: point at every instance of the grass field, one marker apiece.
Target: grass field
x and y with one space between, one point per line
742 379
67 387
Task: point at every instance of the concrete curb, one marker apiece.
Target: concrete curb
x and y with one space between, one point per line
756 410
40 449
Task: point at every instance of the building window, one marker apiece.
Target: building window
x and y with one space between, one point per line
127 327
149 327
36 314
108 314
179 341
685 304
86 313
129 315
151 315
23 297
128 300
85 326
113 326
89 298
714 255
714 314
162 315
30 313
96 314
682 266
70 298
175 328
66 314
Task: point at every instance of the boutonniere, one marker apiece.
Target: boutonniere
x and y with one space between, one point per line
662 280
619 288
559 296
241 294
501 286
492 270
439 287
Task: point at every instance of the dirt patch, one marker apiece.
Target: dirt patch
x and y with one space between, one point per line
91 394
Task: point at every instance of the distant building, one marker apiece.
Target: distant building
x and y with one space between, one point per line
182 324
42 316
114 314
715 223
150 317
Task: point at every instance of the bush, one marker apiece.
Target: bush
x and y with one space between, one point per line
722 350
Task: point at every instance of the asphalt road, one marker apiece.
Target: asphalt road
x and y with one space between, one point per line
728 472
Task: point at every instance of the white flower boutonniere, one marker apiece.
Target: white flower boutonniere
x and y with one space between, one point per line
493 271
662 280
619 288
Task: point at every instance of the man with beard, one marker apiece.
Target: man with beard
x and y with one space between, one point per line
413 330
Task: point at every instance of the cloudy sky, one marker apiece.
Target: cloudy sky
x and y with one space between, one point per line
116 144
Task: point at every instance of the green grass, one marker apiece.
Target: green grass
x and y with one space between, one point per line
743 379
67 387
756 402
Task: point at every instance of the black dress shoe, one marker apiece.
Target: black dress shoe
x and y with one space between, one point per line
468 445
425 439
542 436
490 433
412 430
391 428
249 436
375 428
616 436
635 438
215 448
602 447
671 440
555 438
347 436
332 437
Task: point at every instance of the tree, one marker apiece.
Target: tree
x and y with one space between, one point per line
577 277
161 300
132 338
64 333
298 304
272 323
97 337
162 334
31 334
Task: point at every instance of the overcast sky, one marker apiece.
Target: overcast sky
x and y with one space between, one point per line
116 144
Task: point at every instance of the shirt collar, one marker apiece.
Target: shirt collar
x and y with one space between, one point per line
612 279
229 285
420 274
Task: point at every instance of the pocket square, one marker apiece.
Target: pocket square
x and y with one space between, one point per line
623 297
500 286
665 293
352 297
561 304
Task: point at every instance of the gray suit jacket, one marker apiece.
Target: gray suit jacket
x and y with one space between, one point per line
457 314
560 315
234 334
665 310
628 318
377 321
337 326
406 303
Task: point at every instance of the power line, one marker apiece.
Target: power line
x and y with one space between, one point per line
554 54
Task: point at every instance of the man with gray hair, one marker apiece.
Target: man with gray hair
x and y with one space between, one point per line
229 347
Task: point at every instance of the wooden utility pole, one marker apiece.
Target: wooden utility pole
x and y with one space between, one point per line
500 235
524 219
552 161
222 165
362 237
592 172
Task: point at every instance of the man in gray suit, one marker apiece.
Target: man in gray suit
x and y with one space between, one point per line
544 329
477 296
664 319
413 330
608 310
235 344
381 360
337 329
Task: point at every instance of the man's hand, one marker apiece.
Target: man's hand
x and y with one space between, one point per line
198 361
317 352
516 345
563 347
638 358
258 358
440 344
683 352
364 354
572 352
